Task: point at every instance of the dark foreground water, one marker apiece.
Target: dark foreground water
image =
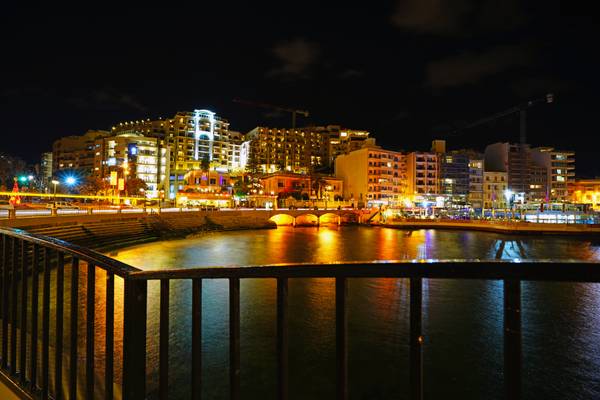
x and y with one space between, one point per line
462 320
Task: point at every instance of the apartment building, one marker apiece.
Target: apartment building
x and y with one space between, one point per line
423 173
131 154
372 175
76 152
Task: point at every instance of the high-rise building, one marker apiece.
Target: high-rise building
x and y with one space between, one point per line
46 169
134 155
422 173
561 170
372 175
76 152
455 175
495 185
283 149
195 139
527 175
475 197
343 140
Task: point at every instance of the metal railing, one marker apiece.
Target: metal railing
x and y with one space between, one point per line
24 255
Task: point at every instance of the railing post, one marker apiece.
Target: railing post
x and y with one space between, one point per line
512 338
416 339
134 339
341 334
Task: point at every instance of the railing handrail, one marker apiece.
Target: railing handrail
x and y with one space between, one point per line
528 270
107 263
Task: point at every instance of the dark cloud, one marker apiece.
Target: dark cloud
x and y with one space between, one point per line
106 99
296 58
351 73
457 17
535 86
470 68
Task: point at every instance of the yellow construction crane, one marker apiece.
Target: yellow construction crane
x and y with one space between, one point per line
274 107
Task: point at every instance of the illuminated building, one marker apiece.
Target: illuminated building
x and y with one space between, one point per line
342 140
475 197
282 149
527 172
46 169
134 155
195 138
422 173
76 152
285 185
372 175
585 191
202 188
494 186
561 171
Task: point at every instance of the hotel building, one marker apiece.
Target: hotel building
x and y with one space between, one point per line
76 152
132 154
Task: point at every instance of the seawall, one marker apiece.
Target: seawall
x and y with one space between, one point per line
104 232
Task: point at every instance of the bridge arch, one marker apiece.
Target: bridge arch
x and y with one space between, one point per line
329 219
307 220
283 219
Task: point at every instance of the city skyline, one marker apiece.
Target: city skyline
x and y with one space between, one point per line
362 70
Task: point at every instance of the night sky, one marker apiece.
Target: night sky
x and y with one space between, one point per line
409 71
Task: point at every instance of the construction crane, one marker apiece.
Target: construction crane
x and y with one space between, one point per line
521 109
274 107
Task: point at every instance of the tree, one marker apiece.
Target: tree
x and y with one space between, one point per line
93 185
10 167
134 185
318 184
205 163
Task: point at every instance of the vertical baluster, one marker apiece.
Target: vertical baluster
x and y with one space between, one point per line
23 325
416 339
58 347
73 329
512 338
110 330
5 291
196 339
33 344
234 338
163 369
134 339
341 334
46 324
282 338
14 306
89 337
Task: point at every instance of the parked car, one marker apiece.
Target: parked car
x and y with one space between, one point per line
62 205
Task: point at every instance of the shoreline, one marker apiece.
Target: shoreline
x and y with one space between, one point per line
512 228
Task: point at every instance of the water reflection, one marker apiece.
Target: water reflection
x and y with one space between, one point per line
462 320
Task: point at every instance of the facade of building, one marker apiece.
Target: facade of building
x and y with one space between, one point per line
46 169
284 185
206 188
281 149
422 173
76 152
527 170
133 155
343 141
455 175
475 197
372 175
585 191
495 185
561 171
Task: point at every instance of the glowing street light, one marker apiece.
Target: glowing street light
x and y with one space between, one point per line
70 180
55 182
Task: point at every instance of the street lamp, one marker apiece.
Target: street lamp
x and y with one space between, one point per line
55 182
